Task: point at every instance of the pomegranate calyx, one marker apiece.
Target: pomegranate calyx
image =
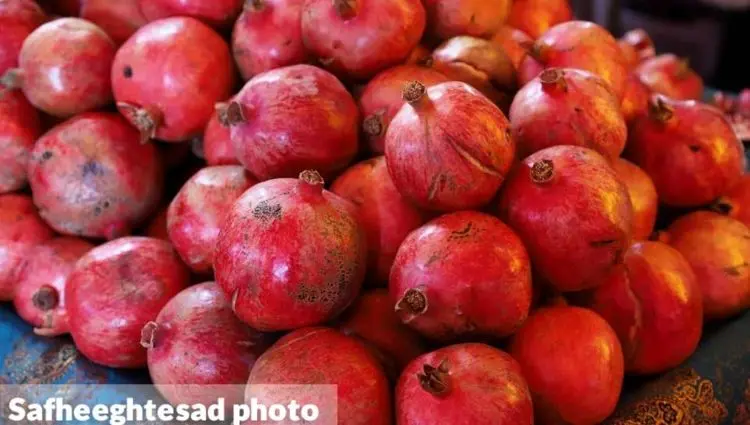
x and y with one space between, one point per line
146 119
414 303
413 92
11 80
235 114
221 113
659 111
435 380
312 178
148 333
539 51
553 78
346 9
373 125
542 171
46 298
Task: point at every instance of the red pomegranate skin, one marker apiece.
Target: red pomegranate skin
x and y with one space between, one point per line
635 99
535 17
168 76
197 212
463 275
718 249
387 218
324 356
577 44
305 261
565 106
197 341
40 295
736 202
688 148
671 76
514 42
382 98
90 176
217 144
157 227
573 363
63 67
120 19
114 290
324 134
19 129
18 18
477 18
463 384
572 213
358 39
219 14
268 35
643 197
448 149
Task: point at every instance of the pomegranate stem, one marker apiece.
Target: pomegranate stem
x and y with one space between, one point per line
148 333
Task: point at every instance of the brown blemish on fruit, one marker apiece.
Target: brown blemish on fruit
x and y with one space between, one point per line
266 211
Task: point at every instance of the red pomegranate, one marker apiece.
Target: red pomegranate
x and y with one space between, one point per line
305 261
197 212
352 38
40 293
463 275
635 99
387 218
220 14
157 227
216 146
514 42
382 98
535 17
91 177
449 148
736 202
268 35
156 73
120 19
688 148
114 290
463 384
19 129
311 357
671 76
565 106
642 194
324 118
18 18
572 213
573 363
478 18
198 350
636 46
63 67
718 248
577 44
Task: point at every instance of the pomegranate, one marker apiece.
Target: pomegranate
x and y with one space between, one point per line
363 392
572 213
565 106
198 210
718 248
157 227
63 67
197 327
478 18
322 114
114 290
643 197
19 129
736 202
387 218
688 148
577 44
382 98
635 99
573 363
671 76
535 17
352 37
305 261
217 13
420 55
268 35
514 42
18 18
216 146
636 45
40 294
184 53
120 19
461 276
449 148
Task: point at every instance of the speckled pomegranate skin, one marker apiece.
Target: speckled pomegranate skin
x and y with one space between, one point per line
514 42
643 197
477 18
19 130
216 13
736 202
535 17
120 19
669 75
18 18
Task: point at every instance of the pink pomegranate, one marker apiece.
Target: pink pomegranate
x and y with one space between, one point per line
743 103
671 76
18 18
352 38
464 383
736 202
63 67
478 18
217 13
514 42
40 293
689 150
292 119
216 146
565 106
573 363
120 19
577 44
197 327
305 261
268 35
382 98
635 99
572 213
636 46
185 53
642 194
114 290
449 148
387 218
19 129
535 17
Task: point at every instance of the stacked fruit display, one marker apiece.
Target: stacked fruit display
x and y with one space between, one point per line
497 166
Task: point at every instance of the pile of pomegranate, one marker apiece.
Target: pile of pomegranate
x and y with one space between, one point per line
447 208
